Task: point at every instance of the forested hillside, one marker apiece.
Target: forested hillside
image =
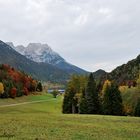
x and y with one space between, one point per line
126 73
14 83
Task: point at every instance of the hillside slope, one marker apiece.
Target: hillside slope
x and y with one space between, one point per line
126 72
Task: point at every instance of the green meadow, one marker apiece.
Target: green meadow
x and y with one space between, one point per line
44 121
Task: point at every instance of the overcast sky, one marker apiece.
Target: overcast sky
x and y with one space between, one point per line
92 34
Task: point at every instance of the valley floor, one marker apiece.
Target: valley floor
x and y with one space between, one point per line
44 121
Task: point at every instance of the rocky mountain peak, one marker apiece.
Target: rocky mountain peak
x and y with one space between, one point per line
39 52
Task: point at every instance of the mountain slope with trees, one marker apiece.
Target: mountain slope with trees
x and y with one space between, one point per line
41 71
14 83
126 73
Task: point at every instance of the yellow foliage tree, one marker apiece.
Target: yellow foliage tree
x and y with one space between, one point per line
106 83
1 88
123 89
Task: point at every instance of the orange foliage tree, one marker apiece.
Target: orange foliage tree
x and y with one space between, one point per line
25 91
13 92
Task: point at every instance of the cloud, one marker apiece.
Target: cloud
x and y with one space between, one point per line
88 33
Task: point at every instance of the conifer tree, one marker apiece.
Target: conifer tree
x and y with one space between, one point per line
83 104
69 103
112 101
39 87
91 97
137 109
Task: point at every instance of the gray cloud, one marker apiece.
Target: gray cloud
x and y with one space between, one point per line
91 34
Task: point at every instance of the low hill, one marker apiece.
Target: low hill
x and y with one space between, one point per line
99 74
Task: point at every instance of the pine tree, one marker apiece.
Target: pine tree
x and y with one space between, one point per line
39 87
69 104
91 97
112 101
137 109
83 104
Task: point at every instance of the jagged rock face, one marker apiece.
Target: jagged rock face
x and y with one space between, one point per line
38 52
42 53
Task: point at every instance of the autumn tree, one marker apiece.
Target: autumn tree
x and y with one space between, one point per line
13 79
106 84
33 85
73 93
1 88
25 91
13 92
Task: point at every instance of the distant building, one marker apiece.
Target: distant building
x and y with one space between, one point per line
62 91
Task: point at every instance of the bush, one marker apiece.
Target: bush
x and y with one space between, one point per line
55 93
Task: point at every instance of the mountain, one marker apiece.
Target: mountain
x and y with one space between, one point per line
41 71
126 72
38 52
99 74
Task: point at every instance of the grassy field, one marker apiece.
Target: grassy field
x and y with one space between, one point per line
44 121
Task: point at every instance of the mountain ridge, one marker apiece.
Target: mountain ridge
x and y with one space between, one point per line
42 71
38 52
127 72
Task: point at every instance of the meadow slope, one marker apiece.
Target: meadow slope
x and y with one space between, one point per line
44 121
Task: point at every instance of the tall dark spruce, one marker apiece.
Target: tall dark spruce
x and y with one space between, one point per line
91 97
137 109
112 101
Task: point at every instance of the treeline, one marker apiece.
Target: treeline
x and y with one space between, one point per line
84 95
14 83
